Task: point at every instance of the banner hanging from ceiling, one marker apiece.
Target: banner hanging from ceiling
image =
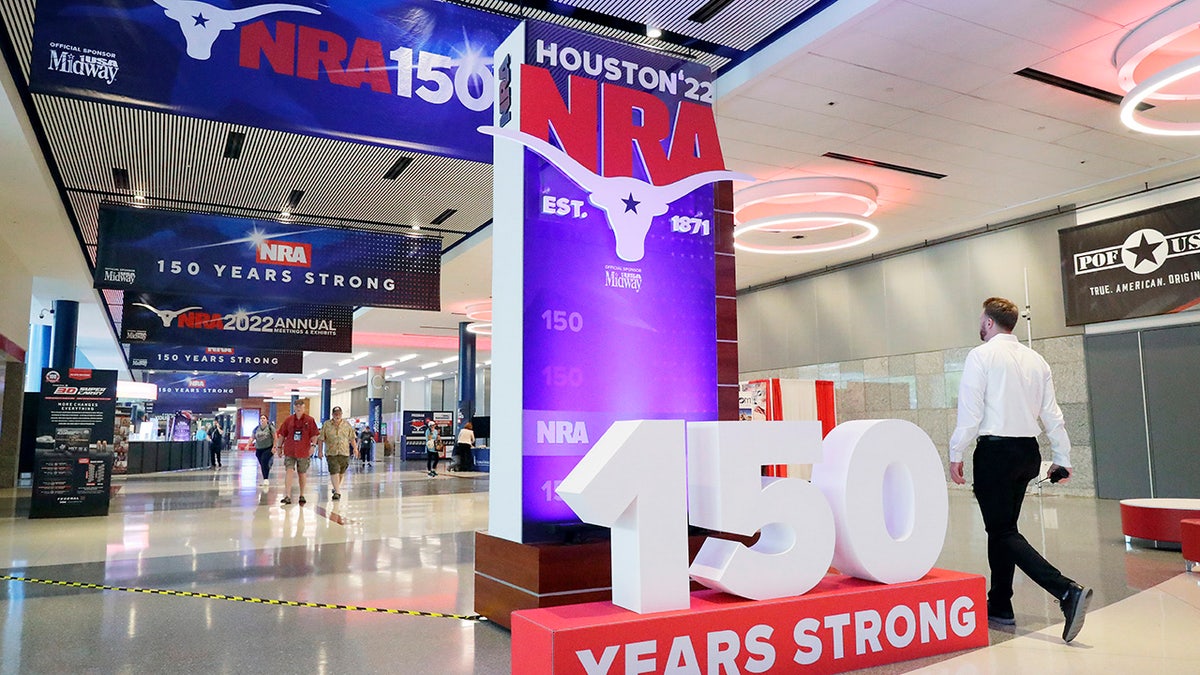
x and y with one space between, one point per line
214 359
605 159
204 255
1140 264
348 70
230 322
202 394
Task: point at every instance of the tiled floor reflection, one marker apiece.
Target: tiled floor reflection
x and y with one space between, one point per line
401 540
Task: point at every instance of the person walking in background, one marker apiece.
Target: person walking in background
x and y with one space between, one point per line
366 446
264 446
431 448
1006 388
215 444
464 447
338 442
296 441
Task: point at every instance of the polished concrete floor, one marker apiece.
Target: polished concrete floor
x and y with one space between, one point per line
399 540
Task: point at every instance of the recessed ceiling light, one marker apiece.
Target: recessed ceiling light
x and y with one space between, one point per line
322 371
451 359
233 144
430 365
397 168
360 355
406 357
417 379
653 32
120 178
388 364
443 216
344 362
437 374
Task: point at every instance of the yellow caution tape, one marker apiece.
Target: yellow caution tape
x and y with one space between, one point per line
239 598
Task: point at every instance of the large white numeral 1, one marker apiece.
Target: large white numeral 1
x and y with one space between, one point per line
633 481
727 493
884 480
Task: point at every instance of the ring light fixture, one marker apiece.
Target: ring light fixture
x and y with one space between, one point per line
480 311
1158 53
480 328
859 199
804 222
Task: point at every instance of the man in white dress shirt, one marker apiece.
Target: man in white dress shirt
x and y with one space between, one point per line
1006 388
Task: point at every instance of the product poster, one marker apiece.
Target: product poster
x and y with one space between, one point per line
345 70
214 359
200 394
414 430
1141 264
619 264
77 411
260 324
205 255
73 459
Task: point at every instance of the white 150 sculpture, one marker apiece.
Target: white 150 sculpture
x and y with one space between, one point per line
877 506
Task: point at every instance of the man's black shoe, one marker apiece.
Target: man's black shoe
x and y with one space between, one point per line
1000 616
1074 607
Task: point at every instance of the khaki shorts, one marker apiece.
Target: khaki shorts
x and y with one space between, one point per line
338 463
300 464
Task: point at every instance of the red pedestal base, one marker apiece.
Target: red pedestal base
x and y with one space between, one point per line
842 624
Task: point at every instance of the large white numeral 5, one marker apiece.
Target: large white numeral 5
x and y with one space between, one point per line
728 493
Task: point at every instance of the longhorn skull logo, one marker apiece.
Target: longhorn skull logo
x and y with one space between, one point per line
629 204
202 23
167 316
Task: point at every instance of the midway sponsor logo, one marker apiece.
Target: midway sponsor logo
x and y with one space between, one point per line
66 58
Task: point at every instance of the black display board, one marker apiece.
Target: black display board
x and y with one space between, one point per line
72 471
414 430
69 485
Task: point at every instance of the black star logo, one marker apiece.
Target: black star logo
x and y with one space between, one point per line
631 204
1144 251
200 20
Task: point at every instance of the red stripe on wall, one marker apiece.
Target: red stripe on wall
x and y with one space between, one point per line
825 406
11 349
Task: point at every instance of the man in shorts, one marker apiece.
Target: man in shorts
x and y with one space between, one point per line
338 442
295 442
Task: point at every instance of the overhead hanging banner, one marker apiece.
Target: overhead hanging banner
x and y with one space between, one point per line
605 159
229 322
204 255
201 394
214 359
1140 264
351 70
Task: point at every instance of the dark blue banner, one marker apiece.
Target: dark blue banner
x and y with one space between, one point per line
415 74
221 256
214 359
200 393
230 322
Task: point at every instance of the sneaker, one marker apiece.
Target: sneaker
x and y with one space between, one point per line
1004 617
303 501
285 500
337 496
1074 606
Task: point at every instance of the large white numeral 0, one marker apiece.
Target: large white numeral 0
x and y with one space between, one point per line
884 480
633 481
729 494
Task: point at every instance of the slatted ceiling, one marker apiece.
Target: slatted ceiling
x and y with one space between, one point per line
512 9
18 19
180 158
741 25
87 204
